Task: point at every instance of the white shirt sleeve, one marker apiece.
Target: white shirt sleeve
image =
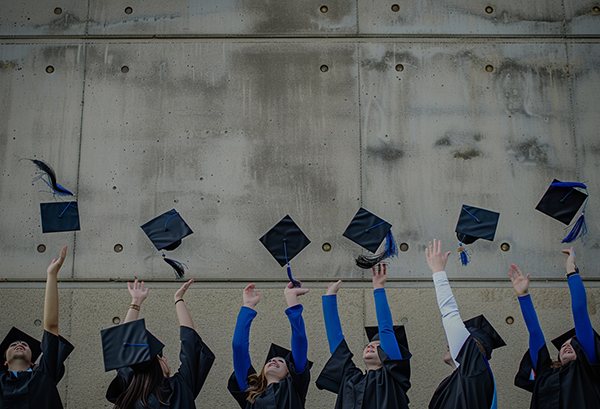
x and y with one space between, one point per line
456 332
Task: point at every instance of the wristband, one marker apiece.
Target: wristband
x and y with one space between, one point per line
181 299
134 307
573 272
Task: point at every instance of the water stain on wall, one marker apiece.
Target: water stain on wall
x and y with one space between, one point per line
467 154
8 65
387 153
530 150
389 61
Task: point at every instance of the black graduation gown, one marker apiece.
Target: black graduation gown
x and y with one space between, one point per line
289 393
37 389
384 388
574 385
180 390
470 386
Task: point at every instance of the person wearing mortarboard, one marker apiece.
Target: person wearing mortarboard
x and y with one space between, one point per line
386 356
471 384
144 378
284 379
23 385
574 380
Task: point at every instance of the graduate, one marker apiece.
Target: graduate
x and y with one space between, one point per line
471 384
22 384
284 379
144 378
573 381
386 356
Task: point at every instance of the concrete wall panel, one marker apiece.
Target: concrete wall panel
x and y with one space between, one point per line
489 139
234 136
582 17
224 17
460 17
41 116
29 17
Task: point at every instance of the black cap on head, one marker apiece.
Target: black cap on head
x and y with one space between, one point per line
562 200
476 223
129 344
16 334
277 351
285 238
367 230
167 230
561 339
59 216
480 328
399 331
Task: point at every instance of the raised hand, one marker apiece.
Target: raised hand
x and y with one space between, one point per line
251 298
292 293
334 287
138 294
57 263
435 259
569 261
379 276
519 282
181 292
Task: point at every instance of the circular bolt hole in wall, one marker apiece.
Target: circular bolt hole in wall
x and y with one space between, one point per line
37 323
41 248
58 10
118 248
324 68
324 9
404 247
596 10
124 69
510 320
505 246
399 67
489 68
49 69
128 10
489 10
116 320
326 247
395 8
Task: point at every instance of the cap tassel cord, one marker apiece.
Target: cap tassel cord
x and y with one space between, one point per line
178 267
129 344
579 228
391 250
65 209
289 269
49 173
464 257
167 221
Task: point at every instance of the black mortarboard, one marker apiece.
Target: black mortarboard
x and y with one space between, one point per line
129 344
480 328
59 216
561 339
476 223
369 231
399 331
167 230
16 334
281 352
562 200
284 241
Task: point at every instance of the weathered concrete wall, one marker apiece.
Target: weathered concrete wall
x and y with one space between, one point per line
238 113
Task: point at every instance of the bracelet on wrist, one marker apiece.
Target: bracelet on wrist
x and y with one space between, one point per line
572 272
181 299
134 307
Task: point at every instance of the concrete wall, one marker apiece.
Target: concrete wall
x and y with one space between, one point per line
238 113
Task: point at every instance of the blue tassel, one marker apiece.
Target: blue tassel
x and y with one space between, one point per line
579 229
464 257
49 177
391 248
178 267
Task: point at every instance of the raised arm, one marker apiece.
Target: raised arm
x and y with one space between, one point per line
583 325
294 313
333 326
138 295
387 338
241 336
51 298
456 332
183 315
536 336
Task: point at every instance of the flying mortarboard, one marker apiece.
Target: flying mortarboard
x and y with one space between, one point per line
284 241
166 232
16 334
399 331
561 201
129 345
59 217
369 231
480 328
474 223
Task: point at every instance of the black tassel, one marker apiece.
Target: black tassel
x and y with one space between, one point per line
178 268
47 170
367 262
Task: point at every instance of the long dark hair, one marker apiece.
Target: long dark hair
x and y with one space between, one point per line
257 385
143 384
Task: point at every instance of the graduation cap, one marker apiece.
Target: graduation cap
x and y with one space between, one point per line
561 339
284 241
48 175
369 231
166 232
481 329
129 344
399 331
59 217
276 351
474 223
561 201
16 334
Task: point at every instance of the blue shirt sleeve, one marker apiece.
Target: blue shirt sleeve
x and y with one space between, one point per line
583 325
536 336
299 340
241 346
387 338
333 325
